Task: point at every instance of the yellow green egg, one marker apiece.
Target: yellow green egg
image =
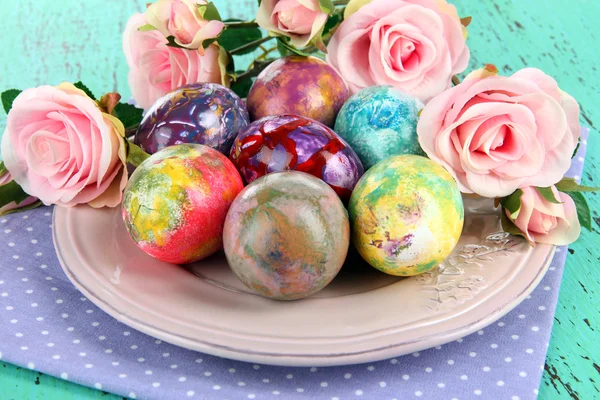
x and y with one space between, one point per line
407 215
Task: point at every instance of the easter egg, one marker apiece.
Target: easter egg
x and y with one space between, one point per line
380 122
286 235
201 113
291 142
304 86
176 201
407 215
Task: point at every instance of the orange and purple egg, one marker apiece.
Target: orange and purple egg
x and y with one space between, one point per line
304 86
287 235
200 113
291 142
175 204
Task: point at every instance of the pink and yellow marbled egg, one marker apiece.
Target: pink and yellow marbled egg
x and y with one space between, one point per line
305 86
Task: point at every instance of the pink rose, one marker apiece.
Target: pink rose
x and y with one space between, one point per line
300 20
156 69
497 134
414 45
544 222
182 20
61 148
4 179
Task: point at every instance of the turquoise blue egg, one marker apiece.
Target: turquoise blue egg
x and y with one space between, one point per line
380 122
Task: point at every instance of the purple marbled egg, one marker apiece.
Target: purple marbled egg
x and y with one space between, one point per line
201 113
291 142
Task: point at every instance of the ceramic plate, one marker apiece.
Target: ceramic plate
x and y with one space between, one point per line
362 316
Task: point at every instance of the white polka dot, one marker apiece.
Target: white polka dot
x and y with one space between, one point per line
95 323
39 254
266 381
382 384
241 383
438 347
216 387
207 373
39 318
20 269
486 369
535 328
251 396
313 369
501 324
4 294
24 348
141 359
464 377
477 392
158 341
48 278
358 392
394 361
9 308
98 386
289 376
50 345
515 398
16 257
108 351
174 366
70 329
29 291
165 354
508 359
25 280
371 368
156 384
324 384
299 390
43 266
541 308
30 365
500 383
33 241
102 337
441 385
347 376
64 375
133 347
198 360
231 370
514 337
275 392
546 288
88 365
418 393
256 366
529 351
56 357
18 334
126 333
76 341
494 346
450 362
183 378
190 393
115 363
535 391
472 354
148 372
428 369
417 354
34 305
406 377
13 321
122 376
65 315
132 395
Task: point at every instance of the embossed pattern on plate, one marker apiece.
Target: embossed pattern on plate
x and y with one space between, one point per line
362 316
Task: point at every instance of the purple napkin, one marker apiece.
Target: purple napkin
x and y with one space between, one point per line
47 325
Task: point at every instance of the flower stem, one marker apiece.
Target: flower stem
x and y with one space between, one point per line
256 68
341 3
266 52
251 45
234 25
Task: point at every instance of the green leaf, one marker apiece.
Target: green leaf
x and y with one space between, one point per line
209 12
129 114
327 6
353 6
576 148
232 39
287 49
242 85
226 65
79 85
548 194
509 227
513 203
3 169
172 43
8 97
19 209
583 209
571 185
135 154
333 22
146 28
12 192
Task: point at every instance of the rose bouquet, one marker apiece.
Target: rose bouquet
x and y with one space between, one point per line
510 139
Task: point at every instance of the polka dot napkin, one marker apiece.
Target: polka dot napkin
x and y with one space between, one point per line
46 325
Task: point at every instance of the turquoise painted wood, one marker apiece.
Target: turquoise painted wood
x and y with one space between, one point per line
48 41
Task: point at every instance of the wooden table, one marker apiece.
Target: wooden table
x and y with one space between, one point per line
49 41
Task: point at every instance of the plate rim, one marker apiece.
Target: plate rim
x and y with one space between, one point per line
334 359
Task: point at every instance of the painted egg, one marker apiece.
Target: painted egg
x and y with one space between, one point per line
290 142
304 86
380 122
176 201
201 113
287 235
407 215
